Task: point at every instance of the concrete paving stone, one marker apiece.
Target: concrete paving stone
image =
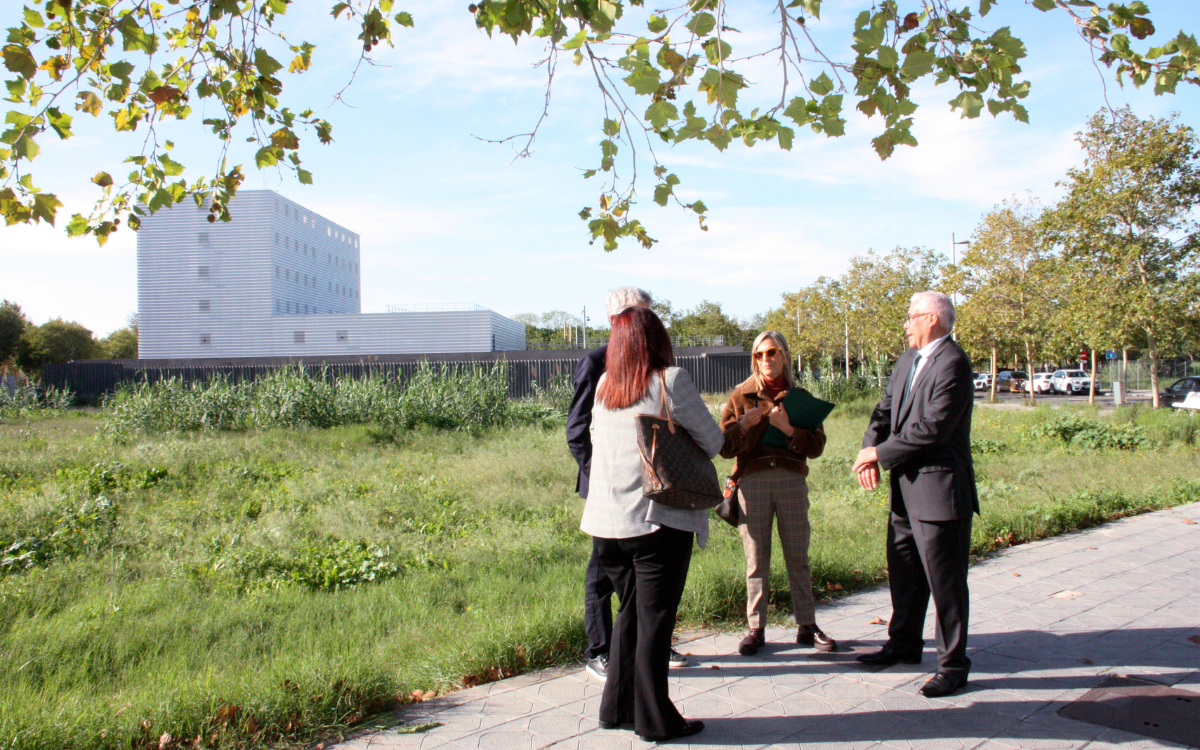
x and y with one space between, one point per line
1026 736
846 690
586 708
934 741
811 741
799 705
708 705
868 724
415 741
604 740
1115 738
557 692
1002 702
754 691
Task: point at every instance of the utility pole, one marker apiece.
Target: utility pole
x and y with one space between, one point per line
954 262
585 346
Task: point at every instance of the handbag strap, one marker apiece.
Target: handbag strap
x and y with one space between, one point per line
664 409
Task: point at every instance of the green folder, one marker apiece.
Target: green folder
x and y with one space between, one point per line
804 411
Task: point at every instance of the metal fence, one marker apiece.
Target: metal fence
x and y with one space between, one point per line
599 339
712 373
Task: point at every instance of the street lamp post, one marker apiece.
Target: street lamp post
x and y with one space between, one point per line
954 262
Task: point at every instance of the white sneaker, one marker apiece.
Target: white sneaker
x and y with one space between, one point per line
598 667
677 659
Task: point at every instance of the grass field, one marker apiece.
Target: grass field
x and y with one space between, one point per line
257 588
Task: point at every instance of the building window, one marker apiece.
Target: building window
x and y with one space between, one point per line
206 338
343 335
277 238
202 271
297 337
205 305
202 238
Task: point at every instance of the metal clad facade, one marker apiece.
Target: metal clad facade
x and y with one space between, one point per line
279 280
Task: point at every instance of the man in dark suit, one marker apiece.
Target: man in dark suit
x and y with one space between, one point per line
921 432
597 588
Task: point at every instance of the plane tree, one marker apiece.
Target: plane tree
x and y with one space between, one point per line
1128 223
664 77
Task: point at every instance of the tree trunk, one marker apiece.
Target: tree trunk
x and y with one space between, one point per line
1029 372
992 385
1152 353
1125 370
1092 385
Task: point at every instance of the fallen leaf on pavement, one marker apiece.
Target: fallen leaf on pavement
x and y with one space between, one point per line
1194 638
1088 661
1189 521
714 666
1018 575
878 621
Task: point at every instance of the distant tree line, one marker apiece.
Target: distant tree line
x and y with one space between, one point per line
558 329
1114 265
28 347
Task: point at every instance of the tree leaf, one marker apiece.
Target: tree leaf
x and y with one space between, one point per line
266 64
970 104
702 24
821 85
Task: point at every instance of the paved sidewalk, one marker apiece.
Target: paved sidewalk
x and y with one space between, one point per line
1049 621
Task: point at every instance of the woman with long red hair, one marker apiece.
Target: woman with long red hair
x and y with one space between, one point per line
643 547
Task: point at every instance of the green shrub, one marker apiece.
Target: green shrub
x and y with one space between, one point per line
1079 431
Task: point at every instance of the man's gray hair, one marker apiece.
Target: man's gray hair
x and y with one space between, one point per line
937 303
626 296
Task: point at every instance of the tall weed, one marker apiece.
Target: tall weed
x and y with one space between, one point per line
443 397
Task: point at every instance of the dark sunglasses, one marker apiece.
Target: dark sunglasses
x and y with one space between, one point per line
766 353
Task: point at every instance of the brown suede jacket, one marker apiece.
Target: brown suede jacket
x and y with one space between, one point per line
747 446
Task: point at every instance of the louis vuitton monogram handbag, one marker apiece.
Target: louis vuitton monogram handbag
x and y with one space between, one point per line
675 472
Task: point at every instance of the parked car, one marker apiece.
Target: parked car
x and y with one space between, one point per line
1012 381
983 381
1039 384
1178 391
1071 381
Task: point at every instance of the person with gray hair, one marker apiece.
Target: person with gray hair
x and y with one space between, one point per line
597 589
771 485
921 431
623 297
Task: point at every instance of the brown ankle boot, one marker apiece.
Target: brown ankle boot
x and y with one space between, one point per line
755 639
811 635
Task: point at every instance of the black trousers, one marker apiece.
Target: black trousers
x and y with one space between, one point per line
597 606
648 573
924 558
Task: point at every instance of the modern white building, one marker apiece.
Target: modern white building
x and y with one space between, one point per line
279 280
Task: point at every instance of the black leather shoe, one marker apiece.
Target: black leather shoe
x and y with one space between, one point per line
755 639
689 728
942 684
889 655
811 635
611 724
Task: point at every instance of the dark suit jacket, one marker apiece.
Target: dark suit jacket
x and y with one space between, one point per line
927 443
579 418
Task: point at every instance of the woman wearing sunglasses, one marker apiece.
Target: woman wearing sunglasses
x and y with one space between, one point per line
771 485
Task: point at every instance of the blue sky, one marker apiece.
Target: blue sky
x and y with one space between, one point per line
446 217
